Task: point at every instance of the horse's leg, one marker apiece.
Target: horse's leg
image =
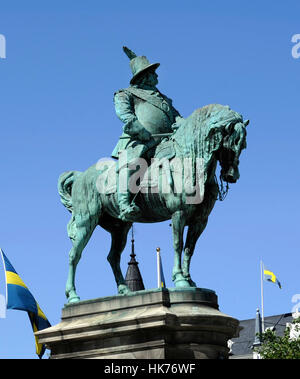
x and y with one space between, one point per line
80 232
194 232
178 223
196 229
118 243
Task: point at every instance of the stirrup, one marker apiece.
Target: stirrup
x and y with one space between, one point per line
129 211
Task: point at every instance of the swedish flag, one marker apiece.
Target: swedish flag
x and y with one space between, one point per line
19 297
160 273
162 277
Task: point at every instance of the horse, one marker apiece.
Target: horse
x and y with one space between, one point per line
211 134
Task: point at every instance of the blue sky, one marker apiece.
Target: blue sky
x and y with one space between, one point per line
64 61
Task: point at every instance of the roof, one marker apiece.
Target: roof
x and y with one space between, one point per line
133 277
242 346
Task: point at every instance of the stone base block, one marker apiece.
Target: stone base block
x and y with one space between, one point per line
154 324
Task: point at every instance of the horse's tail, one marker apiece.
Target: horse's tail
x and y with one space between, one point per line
65 183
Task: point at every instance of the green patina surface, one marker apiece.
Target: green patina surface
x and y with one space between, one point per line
187 153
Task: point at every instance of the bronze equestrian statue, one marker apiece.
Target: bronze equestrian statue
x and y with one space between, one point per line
185 152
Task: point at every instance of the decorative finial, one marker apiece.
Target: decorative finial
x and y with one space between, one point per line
258 329
130 54
132 243
133 277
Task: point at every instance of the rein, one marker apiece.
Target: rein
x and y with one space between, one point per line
222 190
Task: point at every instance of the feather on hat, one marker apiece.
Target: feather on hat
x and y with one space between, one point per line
138 64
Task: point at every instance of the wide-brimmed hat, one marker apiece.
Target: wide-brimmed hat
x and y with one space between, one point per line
138 64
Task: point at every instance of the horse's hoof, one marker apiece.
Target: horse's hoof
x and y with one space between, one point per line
72 297
192 283
182 283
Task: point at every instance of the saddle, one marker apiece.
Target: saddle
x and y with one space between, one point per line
164 152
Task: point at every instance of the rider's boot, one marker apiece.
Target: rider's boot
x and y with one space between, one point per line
127 209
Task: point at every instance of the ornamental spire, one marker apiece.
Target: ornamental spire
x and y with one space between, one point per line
133 278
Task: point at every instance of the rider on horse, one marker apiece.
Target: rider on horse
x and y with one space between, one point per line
145 111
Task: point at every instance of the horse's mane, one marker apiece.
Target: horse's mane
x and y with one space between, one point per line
200 134
194 132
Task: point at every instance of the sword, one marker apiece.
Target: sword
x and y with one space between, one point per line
152 135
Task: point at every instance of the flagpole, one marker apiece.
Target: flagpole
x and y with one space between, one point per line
158 267
262 297
5 276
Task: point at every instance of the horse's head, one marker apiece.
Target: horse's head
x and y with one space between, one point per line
234 141
214 132
226 138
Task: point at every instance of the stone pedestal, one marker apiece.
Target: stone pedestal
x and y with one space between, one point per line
162 323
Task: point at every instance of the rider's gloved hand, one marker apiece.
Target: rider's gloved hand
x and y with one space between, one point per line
144 135
136 130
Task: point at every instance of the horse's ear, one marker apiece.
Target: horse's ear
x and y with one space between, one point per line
229 127
246 122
